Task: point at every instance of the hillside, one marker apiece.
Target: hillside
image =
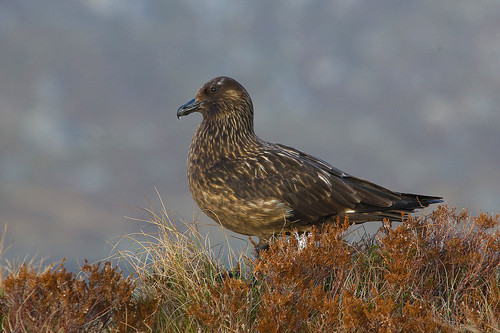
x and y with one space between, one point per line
431 273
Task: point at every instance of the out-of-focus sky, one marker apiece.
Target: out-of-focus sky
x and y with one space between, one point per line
405 94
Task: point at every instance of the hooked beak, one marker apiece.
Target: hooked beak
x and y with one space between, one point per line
188 108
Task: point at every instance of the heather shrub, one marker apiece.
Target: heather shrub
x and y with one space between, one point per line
434 273
55 300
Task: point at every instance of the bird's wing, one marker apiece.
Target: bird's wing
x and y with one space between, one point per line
360 193
312 188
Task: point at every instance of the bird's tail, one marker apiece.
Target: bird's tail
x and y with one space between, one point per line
410 202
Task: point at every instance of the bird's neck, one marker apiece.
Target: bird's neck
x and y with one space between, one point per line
218 139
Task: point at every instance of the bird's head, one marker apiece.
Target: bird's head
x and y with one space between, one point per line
219 98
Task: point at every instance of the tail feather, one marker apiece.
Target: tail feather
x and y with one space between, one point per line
415 201
406 203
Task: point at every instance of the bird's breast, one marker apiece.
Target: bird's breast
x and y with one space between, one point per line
214 189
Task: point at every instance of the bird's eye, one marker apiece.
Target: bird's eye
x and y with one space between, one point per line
213 89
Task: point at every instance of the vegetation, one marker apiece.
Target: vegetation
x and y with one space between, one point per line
436 273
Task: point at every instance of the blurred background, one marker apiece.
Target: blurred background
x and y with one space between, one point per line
405 94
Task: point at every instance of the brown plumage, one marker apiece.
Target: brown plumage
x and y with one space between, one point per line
258 188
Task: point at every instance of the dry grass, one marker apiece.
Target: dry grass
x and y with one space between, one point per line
176 268
436 273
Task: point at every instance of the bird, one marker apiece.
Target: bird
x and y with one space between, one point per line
258 188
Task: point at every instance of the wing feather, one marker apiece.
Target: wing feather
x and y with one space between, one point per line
311 188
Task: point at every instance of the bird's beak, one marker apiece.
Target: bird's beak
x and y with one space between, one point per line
188 108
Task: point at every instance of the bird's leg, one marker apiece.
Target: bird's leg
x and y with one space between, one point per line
262 246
